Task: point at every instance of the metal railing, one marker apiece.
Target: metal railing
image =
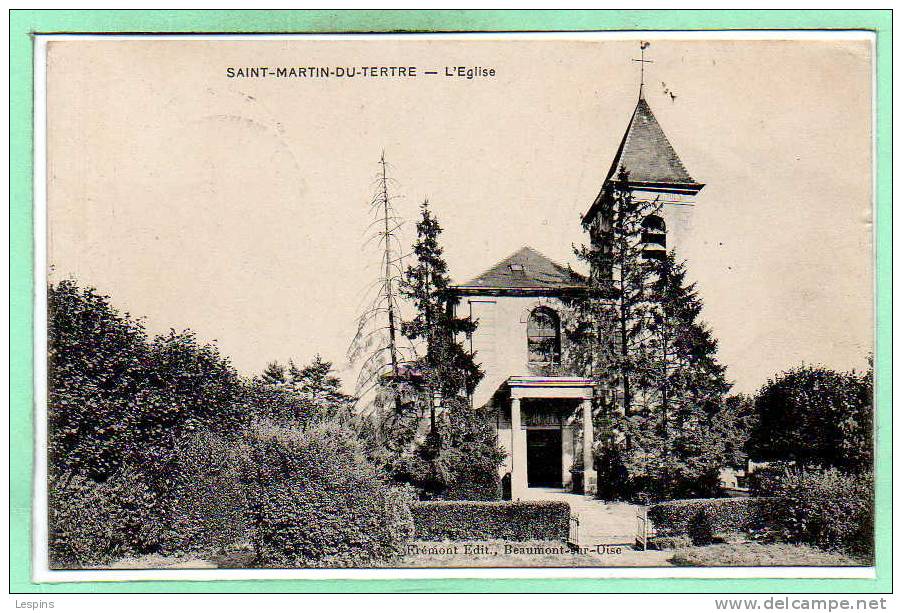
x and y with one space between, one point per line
573 539
644 531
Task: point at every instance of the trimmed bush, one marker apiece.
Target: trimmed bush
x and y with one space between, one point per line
703 519
315 499
672 542
91 523
209 507
830 509
449 520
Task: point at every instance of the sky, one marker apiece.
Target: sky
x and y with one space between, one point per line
238 207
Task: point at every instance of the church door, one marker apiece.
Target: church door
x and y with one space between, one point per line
543 457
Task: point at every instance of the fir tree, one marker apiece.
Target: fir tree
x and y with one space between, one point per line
611 329
273 374
685 374
297 396
734 423
674 439
637 333
460 448
607 332
448 367
318 385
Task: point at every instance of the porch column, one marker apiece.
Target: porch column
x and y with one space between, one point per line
567 451
590 479
518 453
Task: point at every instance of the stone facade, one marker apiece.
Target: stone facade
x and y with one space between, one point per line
539 409
543 414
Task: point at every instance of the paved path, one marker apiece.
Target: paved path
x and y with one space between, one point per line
600 523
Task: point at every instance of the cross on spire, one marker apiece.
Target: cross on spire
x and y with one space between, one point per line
642 62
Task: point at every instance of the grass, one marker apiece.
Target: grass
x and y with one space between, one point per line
760 554
237 556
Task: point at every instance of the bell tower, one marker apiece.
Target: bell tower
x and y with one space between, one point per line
655 174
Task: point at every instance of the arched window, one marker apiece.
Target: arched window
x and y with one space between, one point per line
543 336
654 237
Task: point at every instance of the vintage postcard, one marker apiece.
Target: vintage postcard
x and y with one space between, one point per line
455 305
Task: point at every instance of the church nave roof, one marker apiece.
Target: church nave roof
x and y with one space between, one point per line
527 269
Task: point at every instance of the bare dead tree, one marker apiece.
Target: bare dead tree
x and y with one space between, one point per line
376 347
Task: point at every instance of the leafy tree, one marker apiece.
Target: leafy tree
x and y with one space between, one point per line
197 383
815 417
115 398
118 407
192 388
98 368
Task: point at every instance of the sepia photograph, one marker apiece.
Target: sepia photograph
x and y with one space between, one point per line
393 303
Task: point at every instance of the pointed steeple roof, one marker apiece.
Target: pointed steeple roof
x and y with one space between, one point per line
646 153
649 158
525 270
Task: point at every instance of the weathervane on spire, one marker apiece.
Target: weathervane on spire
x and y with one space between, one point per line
642 62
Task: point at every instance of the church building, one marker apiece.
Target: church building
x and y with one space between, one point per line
519 304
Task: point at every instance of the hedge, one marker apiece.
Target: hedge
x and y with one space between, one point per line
700 520
451 520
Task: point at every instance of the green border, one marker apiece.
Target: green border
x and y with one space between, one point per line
24 23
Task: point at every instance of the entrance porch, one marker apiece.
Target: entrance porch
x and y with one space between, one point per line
539 431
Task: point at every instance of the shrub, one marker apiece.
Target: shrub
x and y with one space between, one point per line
765 480
830 509
473 455
672 542
701 527
702 519
463 466
315 499
471 481
209 506
474 521
92 523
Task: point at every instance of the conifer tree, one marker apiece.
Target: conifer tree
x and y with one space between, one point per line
273 374
459 457
612 319
674 434
449 369
319 386
637 333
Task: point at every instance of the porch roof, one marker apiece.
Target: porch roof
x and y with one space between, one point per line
550 387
